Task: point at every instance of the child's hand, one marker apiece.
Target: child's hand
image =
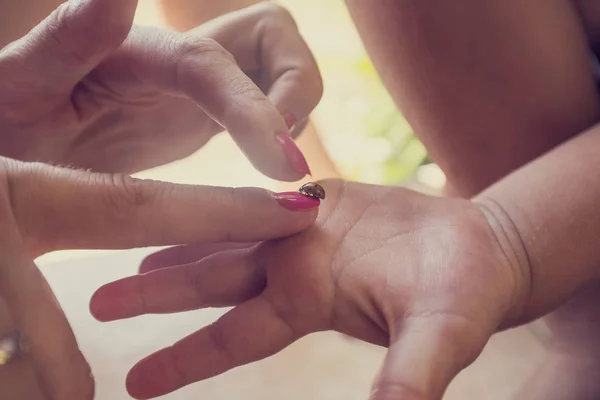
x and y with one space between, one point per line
425 276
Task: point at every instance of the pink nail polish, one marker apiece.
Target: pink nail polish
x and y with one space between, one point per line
293 153
295 201
290 120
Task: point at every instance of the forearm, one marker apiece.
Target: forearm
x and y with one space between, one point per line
549 211
184 15
486 85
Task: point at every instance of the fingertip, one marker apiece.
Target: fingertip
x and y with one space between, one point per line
151 377
116 300
137 386
149 263
96 306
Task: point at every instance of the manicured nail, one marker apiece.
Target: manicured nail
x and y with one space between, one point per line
290 120
295 201
293 153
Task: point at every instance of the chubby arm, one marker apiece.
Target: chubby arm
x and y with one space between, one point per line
546 214
487 85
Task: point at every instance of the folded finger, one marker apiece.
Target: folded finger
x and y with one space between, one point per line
289 72
199 68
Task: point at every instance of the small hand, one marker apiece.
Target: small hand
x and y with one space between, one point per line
85 88
425 276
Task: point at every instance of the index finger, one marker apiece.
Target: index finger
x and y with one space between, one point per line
200 69
64 209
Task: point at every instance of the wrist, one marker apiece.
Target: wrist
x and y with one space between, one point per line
506 236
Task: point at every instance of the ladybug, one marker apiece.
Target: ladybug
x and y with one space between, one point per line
312 189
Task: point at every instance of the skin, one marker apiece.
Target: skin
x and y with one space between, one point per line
430 278
105 211
58 83
329 283
487 97
126 81
524 153
17 18
565 104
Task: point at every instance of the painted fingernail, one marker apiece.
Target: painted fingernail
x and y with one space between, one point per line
293 153
295 201
290 120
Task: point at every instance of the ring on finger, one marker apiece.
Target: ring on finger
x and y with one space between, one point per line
11 347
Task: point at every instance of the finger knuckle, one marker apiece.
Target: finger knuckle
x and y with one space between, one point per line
196 47
220 341
229 197
193 52
125 195
243 94
276 12
308 82
242 87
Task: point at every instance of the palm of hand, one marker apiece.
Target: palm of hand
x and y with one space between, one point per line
383 255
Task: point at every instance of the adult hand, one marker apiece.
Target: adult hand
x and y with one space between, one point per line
428 277
86 88
45 209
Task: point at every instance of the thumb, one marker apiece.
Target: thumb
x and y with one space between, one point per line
68 44
425 354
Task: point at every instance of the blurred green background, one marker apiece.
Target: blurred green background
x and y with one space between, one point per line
366 136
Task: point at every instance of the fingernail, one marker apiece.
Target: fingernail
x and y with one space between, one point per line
295 201
290 120
293 153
